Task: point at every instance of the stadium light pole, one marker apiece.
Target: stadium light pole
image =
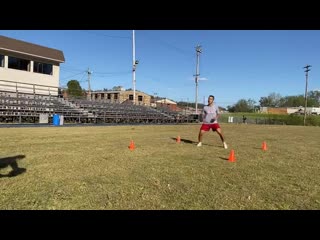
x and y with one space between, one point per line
306 94
89 88
198 51
134 66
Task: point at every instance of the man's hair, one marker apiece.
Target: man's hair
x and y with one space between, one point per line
211 96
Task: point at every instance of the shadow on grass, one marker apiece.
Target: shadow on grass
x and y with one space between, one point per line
185 140
224 158
12 162
195 143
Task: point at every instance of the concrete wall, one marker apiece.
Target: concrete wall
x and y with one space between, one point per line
122 96
146 99
272 110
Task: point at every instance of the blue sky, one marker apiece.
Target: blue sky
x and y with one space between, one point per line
235 64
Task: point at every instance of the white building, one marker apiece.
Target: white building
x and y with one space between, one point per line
167 103
29 68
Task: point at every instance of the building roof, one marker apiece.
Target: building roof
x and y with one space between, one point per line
100 91
166 101
14 45
118 91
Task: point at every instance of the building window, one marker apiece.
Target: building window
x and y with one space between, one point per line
109 96
18 63
102 95
130 97
43 68
1 60
116 96
140 98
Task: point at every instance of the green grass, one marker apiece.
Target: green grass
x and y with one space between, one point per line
92 168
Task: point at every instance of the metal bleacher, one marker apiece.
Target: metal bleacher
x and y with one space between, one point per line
25 104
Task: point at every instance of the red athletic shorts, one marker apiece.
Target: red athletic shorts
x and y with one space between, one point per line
206 127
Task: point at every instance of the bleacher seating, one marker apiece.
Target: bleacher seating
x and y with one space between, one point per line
26 108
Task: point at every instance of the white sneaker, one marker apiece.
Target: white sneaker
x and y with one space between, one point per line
199 144
225 146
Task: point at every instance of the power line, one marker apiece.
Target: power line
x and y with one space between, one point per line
106 35
82 78
71 68
113 73
68 71
73 75
184 52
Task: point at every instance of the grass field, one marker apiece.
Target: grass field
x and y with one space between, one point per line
92 168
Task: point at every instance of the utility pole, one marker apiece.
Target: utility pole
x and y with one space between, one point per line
198 51
306 94
89 88
135 63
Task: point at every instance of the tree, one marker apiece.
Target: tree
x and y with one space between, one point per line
311 102
292 101
74 88
251 103
297 101
314 95
231 108
265 102
242 106
117 88
273 100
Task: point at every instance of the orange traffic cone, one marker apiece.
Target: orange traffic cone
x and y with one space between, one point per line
131 146
178 140
232 158
264 146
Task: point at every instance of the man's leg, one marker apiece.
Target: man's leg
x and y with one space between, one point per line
200 137
218 130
